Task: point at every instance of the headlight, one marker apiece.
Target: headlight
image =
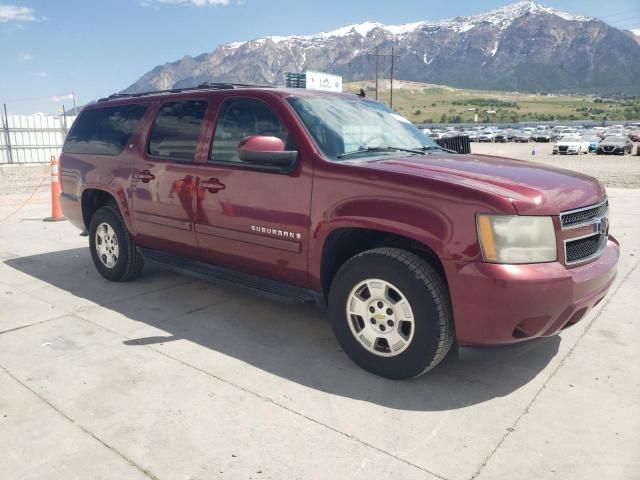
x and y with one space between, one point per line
516 239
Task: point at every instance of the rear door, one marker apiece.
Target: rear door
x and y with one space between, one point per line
164 177
253 220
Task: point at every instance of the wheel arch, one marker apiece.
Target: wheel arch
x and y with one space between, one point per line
345 242
95 197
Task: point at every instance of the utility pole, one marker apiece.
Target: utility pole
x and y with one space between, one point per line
75 110
391 86
378 55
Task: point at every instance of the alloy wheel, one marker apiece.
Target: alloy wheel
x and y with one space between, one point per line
380 317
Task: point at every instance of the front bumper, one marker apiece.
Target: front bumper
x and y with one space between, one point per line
566 151
499 304
610 150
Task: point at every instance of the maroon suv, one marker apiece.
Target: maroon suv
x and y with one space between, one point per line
337 199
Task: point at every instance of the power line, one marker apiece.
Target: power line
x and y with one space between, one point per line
378 55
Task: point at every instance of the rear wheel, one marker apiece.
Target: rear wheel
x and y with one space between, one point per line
391 313
112 249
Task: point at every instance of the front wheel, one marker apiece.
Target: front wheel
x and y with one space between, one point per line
391 313
112 249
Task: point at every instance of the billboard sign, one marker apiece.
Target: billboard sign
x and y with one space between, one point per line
323 81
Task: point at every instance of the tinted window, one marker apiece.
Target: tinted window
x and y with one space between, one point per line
240 118
103 131
176 130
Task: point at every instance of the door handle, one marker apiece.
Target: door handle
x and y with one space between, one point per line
144 176
213 185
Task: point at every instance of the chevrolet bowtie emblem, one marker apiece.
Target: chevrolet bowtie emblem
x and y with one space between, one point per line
601 225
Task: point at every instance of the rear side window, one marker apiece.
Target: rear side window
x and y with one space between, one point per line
103 131
176 130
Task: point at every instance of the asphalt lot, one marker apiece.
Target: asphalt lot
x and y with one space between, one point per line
171 378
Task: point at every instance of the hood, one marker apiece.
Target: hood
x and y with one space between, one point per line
611 143
568 144
534 189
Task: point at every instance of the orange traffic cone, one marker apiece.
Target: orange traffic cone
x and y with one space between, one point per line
56 211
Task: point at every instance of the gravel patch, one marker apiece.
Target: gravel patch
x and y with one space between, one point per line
612 170
24 178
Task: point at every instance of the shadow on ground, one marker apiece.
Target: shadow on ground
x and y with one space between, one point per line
293 342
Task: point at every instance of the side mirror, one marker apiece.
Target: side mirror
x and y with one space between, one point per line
265 150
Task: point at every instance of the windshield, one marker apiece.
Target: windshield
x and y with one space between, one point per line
357 127
570 139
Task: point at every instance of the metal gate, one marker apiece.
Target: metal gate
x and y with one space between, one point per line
32 138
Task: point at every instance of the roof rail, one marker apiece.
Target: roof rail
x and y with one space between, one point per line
202 86
228 86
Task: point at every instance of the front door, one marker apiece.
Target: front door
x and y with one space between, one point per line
164 178
251 220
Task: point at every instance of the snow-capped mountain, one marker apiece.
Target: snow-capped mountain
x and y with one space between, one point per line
523 46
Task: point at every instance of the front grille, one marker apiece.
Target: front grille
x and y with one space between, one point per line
563 148
585 248
584 215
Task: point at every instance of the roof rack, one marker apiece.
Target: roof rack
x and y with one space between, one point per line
202 86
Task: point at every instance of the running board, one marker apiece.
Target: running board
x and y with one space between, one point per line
264 287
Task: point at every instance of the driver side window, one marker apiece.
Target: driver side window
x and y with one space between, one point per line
240 118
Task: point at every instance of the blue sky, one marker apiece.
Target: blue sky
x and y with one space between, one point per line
53 47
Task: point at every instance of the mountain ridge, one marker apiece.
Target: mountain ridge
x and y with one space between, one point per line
523 46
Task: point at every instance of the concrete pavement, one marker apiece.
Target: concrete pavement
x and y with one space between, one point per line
168 377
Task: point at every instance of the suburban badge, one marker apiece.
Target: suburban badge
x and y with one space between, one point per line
275 232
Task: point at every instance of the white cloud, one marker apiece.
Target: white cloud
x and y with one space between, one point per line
42 74
13 13
197 3
25 57
60 98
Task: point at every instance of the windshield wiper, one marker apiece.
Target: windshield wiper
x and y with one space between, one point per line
380 149
428 148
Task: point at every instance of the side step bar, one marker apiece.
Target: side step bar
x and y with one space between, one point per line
264 287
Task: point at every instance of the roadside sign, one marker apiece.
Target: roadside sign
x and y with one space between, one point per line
323 81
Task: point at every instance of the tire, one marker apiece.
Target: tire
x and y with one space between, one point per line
431 332
129 261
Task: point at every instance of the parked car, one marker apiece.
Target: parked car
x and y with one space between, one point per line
615 145
486 136
571 146
593 141
336 199
504 136
543 136
634 136
522 137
